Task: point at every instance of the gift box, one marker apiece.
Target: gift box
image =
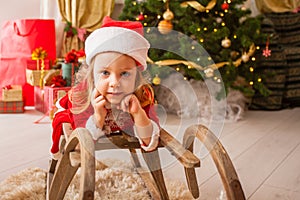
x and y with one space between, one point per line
19 37
33 77
41 99
36 65
46 98
12 70
12 93
11 106
55 93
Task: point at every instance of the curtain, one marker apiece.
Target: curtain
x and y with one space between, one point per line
49 10
82 15
277 6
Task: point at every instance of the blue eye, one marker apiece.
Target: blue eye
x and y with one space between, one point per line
125 74
104 73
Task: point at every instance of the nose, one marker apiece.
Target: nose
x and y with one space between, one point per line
114 81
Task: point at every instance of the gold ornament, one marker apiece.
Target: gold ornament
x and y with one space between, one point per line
168 15
165 26
156 80
226 43
245 57
209 72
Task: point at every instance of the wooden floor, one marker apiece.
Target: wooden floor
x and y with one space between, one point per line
264 148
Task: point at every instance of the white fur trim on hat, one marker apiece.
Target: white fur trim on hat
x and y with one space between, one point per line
117 39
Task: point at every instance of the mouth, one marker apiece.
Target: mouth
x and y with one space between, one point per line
114 93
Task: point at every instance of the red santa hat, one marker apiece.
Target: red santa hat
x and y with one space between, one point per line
125 37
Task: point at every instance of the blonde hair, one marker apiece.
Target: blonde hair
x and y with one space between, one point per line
81 92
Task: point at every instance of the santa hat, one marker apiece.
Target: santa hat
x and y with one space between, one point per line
125 37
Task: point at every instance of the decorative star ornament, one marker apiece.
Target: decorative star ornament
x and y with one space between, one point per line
267 52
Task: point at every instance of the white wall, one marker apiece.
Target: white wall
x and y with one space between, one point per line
19 9
15 9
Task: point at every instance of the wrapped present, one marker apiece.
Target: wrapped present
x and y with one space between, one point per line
51 77
46 98
41 99
36 65
12 93
54 94
11 107
35 77
18 39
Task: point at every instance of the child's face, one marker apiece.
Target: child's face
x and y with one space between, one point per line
114 75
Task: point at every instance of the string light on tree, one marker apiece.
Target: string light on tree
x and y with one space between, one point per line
214 24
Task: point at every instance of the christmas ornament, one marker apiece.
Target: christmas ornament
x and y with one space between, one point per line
219 20
267 51
140 17
245 57
156 80
168 15
226 43
225 6
209 72
165 26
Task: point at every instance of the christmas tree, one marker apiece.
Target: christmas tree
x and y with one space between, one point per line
224 28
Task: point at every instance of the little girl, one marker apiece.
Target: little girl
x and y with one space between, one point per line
116 55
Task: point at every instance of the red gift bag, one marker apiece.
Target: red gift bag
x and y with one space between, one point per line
21 37
18 39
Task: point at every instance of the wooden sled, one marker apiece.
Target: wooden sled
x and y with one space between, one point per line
61 172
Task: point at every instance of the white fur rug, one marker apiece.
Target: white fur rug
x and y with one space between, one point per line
116 181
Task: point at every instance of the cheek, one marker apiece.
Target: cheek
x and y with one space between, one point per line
129 85
101 86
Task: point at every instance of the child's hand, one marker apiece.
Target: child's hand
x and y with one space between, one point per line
131 104
99 102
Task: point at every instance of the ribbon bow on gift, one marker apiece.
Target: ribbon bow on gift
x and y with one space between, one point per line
58 81
39 54
7 87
